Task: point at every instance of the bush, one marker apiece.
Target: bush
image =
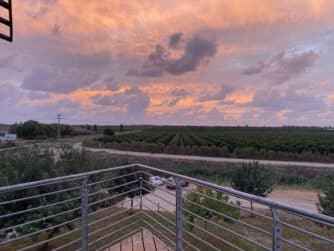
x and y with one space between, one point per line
254 179
108 131
326 200
216 203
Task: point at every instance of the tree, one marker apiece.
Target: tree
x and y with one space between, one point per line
326 200
121 128
95 128
254 179
28 164
36 163
202 199
108 131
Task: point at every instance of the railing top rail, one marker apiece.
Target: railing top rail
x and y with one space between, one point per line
61 179
230 191
254 198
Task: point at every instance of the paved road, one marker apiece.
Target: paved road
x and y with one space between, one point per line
215 159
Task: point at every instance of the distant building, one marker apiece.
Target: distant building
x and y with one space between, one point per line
6 136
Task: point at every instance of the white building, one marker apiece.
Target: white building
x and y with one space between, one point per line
6 136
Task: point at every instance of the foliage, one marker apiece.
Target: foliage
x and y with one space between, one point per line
36 163
108 131
253 178
288 143
212 207
34 130
326 200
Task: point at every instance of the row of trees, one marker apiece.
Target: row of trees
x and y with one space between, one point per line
36 163
34 130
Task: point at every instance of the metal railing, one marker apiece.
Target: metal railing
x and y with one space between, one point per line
95 210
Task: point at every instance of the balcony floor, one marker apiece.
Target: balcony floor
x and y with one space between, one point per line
141 241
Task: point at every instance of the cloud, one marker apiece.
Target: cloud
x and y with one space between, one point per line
174 40
56 29
283 66
133 99
218 96
38 95
254 69
275 100
177 95
195 52
57 81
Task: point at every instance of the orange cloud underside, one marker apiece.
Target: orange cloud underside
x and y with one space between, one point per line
134 27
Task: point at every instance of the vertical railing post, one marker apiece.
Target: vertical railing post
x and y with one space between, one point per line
141 202
141 193
179 215
84 215
276 229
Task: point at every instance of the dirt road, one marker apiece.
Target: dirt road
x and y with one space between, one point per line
215 159
163 199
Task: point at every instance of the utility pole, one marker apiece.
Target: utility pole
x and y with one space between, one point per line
59 118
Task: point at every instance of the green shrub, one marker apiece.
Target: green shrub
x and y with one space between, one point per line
108 131
254 179
326 200
211 207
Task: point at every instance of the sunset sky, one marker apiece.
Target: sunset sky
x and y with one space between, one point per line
210 62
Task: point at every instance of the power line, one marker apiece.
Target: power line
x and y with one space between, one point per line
59 118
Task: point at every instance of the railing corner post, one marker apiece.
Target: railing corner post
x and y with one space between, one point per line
276 230
84 214
141 193
179 215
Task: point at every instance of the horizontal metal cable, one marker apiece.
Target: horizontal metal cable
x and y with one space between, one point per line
112 197
229 230
158 196
67 244
306 232
111 188
104 209
40 231
155 237
229 204
163 235
113 232
39 219
159 223
40 207
171 222
119 239
163 217
295 244
158 187
109 216
200 239
156 204
308 218
113 224
215 236
39 183
250 197
51 239
113 178
39 195
231 218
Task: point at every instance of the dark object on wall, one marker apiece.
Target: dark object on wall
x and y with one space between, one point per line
7 21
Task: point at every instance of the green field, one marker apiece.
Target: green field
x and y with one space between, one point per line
282 143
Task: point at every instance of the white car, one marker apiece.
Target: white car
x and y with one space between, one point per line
156 181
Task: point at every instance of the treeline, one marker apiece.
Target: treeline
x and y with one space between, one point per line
300 144
34 130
